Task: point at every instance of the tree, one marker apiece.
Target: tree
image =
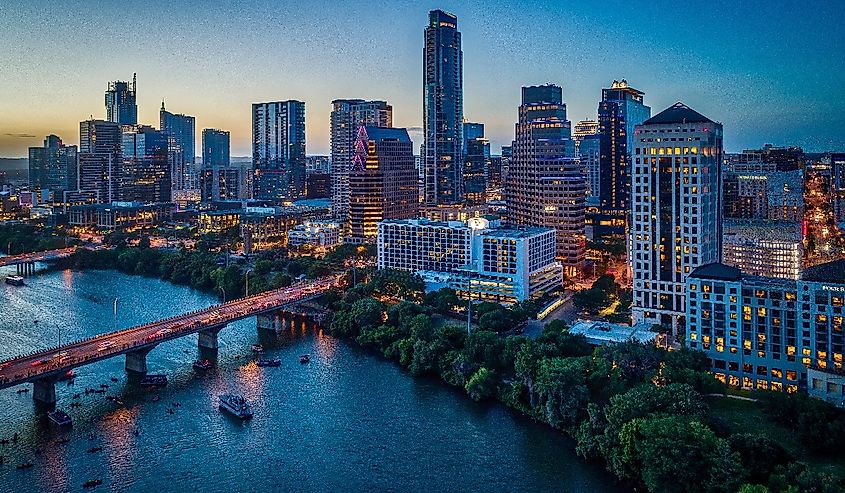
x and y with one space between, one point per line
677 454
760 455
482 385
562 390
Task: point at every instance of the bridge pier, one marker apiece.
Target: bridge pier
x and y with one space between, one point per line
208 338
271 321
25 269
44 391
136 361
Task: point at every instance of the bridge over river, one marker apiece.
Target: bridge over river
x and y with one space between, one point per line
26 262
45 368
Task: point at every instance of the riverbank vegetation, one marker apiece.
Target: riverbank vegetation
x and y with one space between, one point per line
16 239
642 411
225 275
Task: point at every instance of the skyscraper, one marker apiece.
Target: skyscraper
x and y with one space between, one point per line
676 209
347 117
121 105
620 110
382 181
146 174
545 184
100 160
183 130
443 110
476 163
215 147
837 186
53 166
278 150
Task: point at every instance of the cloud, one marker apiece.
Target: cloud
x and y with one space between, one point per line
20 136
415 129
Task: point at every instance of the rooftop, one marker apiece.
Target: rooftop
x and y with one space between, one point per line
383 133
717 271
829 272
678 113
598 332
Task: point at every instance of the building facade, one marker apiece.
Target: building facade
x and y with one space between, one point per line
278 150
121 107
837 186
53 166
770 334
763 248
319 236
546 187
676 210
183 130
347 117
146 176
476 163
443 110
215 147
480 261
100 160
382 181
620 110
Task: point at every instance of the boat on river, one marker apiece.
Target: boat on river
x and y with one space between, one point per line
236 405
15 280
60 417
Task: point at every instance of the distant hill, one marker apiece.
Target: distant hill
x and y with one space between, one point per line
10 163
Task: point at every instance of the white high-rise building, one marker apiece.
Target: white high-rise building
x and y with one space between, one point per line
480 260
676 209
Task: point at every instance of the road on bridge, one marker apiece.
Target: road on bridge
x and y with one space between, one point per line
58 361
44 256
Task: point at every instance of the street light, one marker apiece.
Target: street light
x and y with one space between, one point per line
246 281
224 293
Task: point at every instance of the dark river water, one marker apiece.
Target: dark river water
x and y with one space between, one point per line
347 421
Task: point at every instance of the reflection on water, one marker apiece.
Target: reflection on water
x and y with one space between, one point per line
347 421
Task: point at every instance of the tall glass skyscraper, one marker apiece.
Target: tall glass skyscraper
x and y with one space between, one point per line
278 150
215 147
100 160
620 110
146 176
53 166
546 186
476 163
443 110
183 129
347 117
121 105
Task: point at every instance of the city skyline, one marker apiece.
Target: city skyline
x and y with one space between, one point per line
746 74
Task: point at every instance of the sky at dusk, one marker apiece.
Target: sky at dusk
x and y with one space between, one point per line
769 71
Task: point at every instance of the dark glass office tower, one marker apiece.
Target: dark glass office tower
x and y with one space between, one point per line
620 110
183 130
476 163
215 147
278 150
53 166
443 110
146 175
121 105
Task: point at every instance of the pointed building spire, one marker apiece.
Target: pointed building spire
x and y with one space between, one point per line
162 104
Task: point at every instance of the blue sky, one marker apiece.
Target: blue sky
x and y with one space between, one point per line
769 71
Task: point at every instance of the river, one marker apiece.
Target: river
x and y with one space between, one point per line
347 421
